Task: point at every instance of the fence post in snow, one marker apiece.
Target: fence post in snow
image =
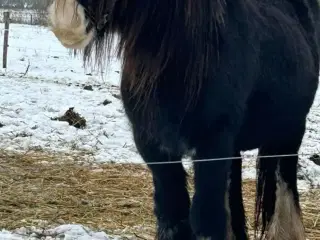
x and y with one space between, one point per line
6 19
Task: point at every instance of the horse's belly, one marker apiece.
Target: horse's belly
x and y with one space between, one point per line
250 137
267 126
257 129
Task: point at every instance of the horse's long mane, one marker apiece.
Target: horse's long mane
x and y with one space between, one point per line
151 33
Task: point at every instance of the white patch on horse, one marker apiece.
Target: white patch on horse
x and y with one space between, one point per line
286 223
68 22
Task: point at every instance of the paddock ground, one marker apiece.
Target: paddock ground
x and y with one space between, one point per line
44 190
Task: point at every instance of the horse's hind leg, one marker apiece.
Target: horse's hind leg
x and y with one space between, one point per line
171 197
277 193
238 220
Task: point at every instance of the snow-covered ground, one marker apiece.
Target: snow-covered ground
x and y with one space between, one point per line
55 82
43 81
66 232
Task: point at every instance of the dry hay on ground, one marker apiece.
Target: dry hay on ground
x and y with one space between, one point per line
109 197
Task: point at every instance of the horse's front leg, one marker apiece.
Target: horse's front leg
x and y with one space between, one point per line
210 212
171 198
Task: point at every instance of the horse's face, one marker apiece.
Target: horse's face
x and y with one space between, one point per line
75 22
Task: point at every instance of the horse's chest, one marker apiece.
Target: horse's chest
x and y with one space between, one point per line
162 120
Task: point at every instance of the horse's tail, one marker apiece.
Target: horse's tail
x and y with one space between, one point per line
277 200
265 194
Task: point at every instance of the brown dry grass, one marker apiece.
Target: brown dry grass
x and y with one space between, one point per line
107 197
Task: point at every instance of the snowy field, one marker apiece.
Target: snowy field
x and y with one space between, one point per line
43 81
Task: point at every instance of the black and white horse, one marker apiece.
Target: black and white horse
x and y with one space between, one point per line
218 77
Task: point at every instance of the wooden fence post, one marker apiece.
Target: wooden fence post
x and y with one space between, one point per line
6 19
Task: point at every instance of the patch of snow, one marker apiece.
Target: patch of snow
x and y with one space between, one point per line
27 120
63 232
53 83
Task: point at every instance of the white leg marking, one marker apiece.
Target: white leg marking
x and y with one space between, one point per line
286 223
68 22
